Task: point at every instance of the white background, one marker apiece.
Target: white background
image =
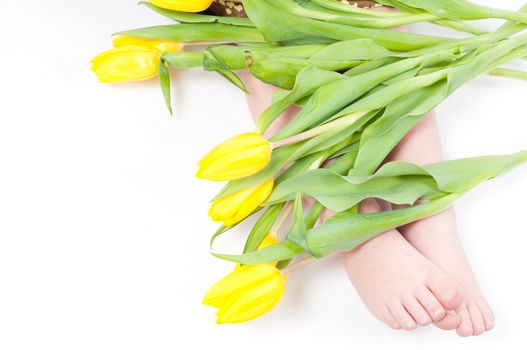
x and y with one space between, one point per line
103 227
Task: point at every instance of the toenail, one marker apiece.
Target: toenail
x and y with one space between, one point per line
411 325
438 314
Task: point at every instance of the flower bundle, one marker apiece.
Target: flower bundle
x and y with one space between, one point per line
361 88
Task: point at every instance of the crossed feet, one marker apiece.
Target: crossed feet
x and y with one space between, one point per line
412 278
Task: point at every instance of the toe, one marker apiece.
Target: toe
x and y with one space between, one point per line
465 325
478 325
488 315
402 316
432 306
449 322
388 318
445 289
416 310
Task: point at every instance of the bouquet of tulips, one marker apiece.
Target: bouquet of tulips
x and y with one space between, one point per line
361 88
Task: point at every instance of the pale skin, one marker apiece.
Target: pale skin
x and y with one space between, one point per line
417 274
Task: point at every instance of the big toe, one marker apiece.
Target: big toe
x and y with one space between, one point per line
488 315
446 290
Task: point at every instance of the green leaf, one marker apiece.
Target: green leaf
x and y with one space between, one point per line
282 250
397 120
457 9
396 182
164 80
341 7
213 63
278 24
334 96
262 227
193 32
298 230
308 80
221 230
345 231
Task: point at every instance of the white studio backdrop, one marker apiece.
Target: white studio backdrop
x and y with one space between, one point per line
104 229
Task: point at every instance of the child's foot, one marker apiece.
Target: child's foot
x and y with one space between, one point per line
398 285
437 239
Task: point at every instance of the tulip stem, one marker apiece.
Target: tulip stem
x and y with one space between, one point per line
287 211
207 43
301 263
298 264
343 121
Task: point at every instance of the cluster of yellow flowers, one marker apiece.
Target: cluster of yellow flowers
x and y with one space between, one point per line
236 158
248 291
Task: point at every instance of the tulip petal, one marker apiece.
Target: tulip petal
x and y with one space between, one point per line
235 158
126 63
241 278
249 304
237 206
183 5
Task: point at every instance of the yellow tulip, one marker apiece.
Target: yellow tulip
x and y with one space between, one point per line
183 5
246 293
235 158
126 63
235 207
131 59
160 45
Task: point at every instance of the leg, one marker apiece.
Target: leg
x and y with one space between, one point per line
436 237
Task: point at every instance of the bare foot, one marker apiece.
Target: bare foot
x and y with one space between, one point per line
398 285
437 238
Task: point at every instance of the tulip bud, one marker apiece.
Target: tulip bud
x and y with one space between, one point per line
183 5
132 59
235 158
235 207
246 293
126 63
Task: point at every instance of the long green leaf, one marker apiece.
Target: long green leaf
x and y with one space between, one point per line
193 32
262 227
396 182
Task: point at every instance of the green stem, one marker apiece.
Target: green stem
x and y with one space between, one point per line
192 32
337 6
509 15
183 59
336 124
509 73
